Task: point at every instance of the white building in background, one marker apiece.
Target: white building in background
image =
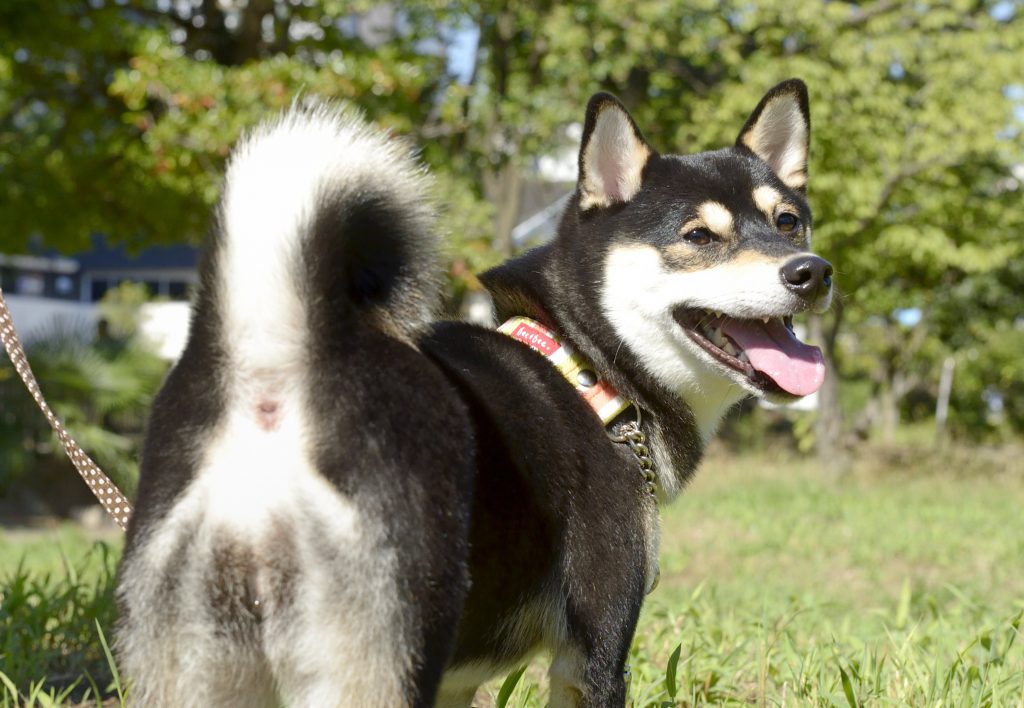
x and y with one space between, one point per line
48 292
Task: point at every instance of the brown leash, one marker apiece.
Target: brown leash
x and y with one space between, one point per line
106 491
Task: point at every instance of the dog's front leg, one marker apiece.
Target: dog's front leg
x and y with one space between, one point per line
589 669
606 584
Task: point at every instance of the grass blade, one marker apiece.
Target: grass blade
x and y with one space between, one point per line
110 662
12 690
508 686
851 697
670 671
903 609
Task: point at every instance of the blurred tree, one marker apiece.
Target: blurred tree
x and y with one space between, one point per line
979 320
117 116
914 136
124 127
61 133
120 310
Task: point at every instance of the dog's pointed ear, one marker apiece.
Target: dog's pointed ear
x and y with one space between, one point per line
779 132
613 154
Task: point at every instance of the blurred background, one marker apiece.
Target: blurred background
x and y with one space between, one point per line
116 117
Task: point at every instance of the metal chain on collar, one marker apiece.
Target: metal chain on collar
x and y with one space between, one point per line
105 491
630 434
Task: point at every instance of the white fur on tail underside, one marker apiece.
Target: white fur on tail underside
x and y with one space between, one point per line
276 182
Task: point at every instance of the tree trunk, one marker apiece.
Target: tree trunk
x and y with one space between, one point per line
828 428
888 410
504 189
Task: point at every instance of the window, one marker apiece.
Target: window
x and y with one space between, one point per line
98 290
178 290
30 284
63 285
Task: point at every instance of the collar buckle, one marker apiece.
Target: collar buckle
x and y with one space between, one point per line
629 433
603 399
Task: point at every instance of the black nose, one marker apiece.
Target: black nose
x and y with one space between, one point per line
807 276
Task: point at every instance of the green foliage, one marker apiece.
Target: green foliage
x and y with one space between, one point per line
121 308
915 134
101 390
115 680
991 366
118 118
776 583
61 133
466 221
49 645
896 586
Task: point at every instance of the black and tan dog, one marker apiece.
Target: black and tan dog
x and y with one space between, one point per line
343 502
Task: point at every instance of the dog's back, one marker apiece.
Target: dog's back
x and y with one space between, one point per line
286 544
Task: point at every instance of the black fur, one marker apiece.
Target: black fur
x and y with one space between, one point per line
390 433
561 536
558 507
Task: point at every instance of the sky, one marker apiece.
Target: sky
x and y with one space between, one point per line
462 51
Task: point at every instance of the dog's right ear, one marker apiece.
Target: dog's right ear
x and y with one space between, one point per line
779 131
613 154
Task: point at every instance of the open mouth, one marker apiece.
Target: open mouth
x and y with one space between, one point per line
766 352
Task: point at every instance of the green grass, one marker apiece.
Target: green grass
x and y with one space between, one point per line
56 599
783 586
900 584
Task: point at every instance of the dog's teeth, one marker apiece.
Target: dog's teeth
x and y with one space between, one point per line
742 356
765 319
728 347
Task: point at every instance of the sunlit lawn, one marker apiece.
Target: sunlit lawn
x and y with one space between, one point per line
777 580
780 585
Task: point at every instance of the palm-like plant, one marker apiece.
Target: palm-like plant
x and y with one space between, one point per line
101 389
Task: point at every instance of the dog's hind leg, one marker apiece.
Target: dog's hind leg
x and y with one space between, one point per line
184 669
231 680
321 673
339 637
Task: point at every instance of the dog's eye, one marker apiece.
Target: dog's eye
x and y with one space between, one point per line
787 222
698 237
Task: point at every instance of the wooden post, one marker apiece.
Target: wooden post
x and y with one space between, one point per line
945 389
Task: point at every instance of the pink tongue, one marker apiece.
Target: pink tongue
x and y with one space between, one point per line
796 367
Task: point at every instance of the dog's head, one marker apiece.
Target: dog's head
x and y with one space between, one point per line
704 258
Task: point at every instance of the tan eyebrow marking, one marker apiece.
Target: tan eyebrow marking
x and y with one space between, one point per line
767 198
691 225
717 217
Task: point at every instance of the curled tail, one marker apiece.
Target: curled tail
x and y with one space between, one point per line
261 538
323 225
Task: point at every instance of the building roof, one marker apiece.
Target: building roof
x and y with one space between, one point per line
103 256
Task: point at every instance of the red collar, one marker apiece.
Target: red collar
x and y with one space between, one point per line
598 393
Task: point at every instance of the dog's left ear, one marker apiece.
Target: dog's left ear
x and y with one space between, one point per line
779 132
613 154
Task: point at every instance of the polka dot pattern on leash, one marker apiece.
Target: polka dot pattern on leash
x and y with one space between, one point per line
105 491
